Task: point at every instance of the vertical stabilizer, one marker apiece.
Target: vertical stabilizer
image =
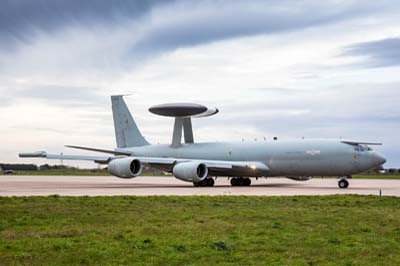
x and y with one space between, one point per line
127 133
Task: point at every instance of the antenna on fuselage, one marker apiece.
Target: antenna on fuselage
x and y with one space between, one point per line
183 113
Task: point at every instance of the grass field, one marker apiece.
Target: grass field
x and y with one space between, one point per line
329 230
381 176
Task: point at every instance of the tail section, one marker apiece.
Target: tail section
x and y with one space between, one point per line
126 130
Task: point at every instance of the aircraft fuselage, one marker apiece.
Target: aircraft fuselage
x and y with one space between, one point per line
305 157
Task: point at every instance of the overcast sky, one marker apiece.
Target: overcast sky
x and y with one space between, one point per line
292 69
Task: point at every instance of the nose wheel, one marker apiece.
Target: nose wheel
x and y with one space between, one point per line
343 183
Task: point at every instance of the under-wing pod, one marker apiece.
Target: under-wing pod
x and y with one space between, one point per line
127 167
190 171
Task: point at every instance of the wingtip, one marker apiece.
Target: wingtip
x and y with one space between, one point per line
32 154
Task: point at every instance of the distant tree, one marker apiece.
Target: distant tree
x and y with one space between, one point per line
19 167
45 167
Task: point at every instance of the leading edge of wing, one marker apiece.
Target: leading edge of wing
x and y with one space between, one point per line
99 150
43 154
212 164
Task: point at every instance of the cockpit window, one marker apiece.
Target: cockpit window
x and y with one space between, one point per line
361 148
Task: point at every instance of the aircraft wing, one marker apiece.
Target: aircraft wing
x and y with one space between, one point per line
115 152
217 166
43 154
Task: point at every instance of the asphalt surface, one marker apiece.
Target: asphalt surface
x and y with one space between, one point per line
166 185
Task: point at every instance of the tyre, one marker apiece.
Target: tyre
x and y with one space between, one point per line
343 183
234 182
210 182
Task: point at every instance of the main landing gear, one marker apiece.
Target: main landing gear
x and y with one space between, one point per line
207 182
240 181
343 183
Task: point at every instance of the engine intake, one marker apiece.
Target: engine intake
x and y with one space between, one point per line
190 171
125 167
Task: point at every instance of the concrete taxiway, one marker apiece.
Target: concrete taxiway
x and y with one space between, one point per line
165 185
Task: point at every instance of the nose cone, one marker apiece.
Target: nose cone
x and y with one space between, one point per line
378 159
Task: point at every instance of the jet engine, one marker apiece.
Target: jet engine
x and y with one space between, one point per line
190 171
300 178
125 167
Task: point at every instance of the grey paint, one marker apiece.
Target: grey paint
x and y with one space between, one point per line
178 109
188 130
303 157
127 133
177 134
313 157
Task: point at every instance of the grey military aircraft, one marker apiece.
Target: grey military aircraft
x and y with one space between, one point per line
199 162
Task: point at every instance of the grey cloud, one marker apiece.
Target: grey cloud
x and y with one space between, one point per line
279 91
162 26
6 100
205 23
42 129
69 96
367 105
19 19
59 92
381 53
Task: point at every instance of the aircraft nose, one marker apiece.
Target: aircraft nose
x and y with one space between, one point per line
378 159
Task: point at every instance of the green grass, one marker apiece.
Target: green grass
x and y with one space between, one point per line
367 176
322 230
381 176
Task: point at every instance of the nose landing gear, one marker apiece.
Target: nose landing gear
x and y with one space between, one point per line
343 183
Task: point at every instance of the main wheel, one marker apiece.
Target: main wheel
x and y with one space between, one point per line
210 182
343 183
202 183
247 182
234 182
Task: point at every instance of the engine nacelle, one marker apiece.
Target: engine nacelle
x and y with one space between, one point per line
300 178
190 171
125 167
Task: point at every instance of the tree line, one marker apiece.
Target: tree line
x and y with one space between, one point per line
33 167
